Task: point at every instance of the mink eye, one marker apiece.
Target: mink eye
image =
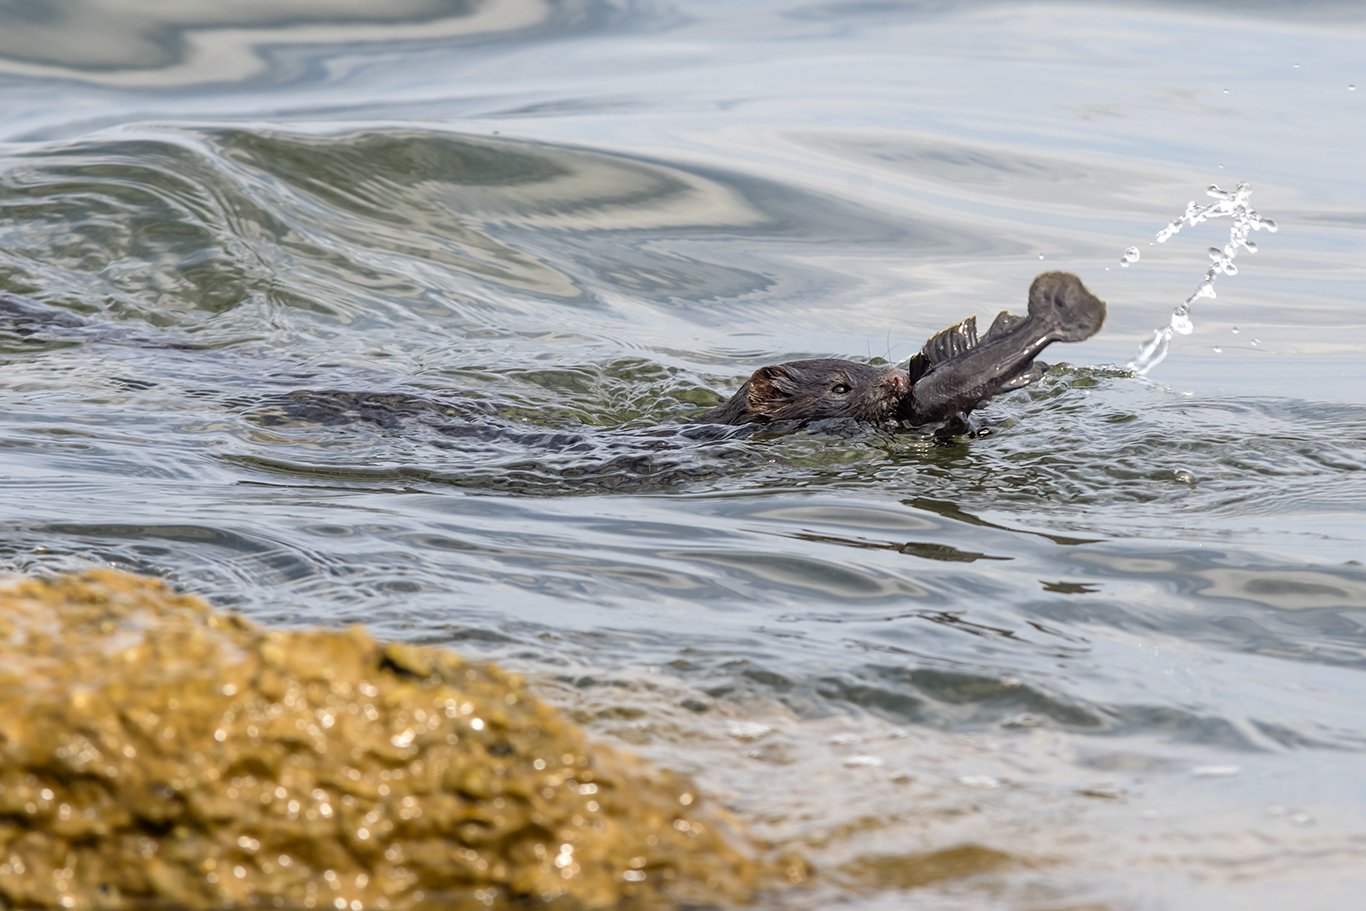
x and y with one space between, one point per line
840 389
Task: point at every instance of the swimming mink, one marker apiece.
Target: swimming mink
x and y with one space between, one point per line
954 372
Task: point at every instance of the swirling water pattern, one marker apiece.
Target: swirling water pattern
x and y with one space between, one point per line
338 316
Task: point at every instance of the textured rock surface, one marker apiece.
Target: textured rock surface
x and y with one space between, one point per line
152 749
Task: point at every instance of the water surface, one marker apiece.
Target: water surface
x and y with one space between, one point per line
395 318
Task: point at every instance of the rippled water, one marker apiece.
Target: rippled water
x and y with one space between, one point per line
398 319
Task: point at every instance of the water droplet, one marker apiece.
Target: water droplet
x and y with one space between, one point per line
1352 87
1040 256
1225 91
1295 65
862 762
1151 354
1235 330
1215 771
985 782
1130 256
748 730
1218 350
1234 205
1255 342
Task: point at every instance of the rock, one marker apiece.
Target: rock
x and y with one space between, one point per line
154 750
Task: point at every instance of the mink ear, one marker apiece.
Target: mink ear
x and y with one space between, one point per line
763 384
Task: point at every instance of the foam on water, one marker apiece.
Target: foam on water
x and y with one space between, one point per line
1237 206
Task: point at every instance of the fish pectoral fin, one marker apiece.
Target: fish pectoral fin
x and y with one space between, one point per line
916 367
1031 374
1004 322
952 342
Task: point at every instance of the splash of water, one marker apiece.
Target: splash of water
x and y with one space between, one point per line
1235 205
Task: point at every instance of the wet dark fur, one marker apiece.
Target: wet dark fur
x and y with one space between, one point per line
814 390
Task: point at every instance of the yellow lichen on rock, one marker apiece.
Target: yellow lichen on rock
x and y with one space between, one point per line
152 749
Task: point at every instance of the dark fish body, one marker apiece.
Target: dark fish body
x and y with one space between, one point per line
955 371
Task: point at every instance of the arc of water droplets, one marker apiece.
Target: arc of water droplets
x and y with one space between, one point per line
1236 205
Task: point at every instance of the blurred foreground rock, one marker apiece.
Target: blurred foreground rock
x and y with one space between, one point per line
154 750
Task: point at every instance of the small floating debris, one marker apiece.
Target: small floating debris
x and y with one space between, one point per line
1104 792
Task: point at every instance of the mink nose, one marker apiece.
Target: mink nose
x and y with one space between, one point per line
899 380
